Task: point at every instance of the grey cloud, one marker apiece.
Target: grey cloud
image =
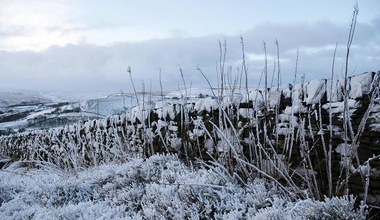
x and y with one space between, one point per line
322 36
299 35
98 68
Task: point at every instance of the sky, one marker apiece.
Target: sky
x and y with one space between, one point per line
88 45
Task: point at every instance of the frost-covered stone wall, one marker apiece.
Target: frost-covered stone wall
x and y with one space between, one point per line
290 120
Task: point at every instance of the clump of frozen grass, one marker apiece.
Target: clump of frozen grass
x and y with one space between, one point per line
160 187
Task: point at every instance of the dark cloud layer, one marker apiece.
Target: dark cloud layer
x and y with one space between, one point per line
88 67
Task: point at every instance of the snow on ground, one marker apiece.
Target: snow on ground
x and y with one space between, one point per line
20 110
160 187
13 124
15 98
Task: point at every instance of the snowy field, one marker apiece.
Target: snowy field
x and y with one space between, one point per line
32 110
160 187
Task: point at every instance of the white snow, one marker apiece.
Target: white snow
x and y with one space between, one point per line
337 107
206 104
160 187
295 109
286 92
257 97
360 85
287 118
315 90
274 98
15 98
343 149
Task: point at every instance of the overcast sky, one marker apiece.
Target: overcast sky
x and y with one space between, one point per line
87 45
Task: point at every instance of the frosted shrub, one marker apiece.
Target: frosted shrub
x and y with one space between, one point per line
159 167
334 208
258 194
66 193
160 187
270 213
7 193
340 208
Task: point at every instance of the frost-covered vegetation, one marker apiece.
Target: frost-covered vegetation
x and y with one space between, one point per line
160 187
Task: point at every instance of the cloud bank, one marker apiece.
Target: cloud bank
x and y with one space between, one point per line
88 67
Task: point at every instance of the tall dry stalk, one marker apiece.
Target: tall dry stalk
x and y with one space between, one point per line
244 68
346 114
329 153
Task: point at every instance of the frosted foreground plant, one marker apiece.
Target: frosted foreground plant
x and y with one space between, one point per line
160 187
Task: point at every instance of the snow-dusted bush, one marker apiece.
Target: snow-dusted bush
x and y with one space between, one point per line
160 187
